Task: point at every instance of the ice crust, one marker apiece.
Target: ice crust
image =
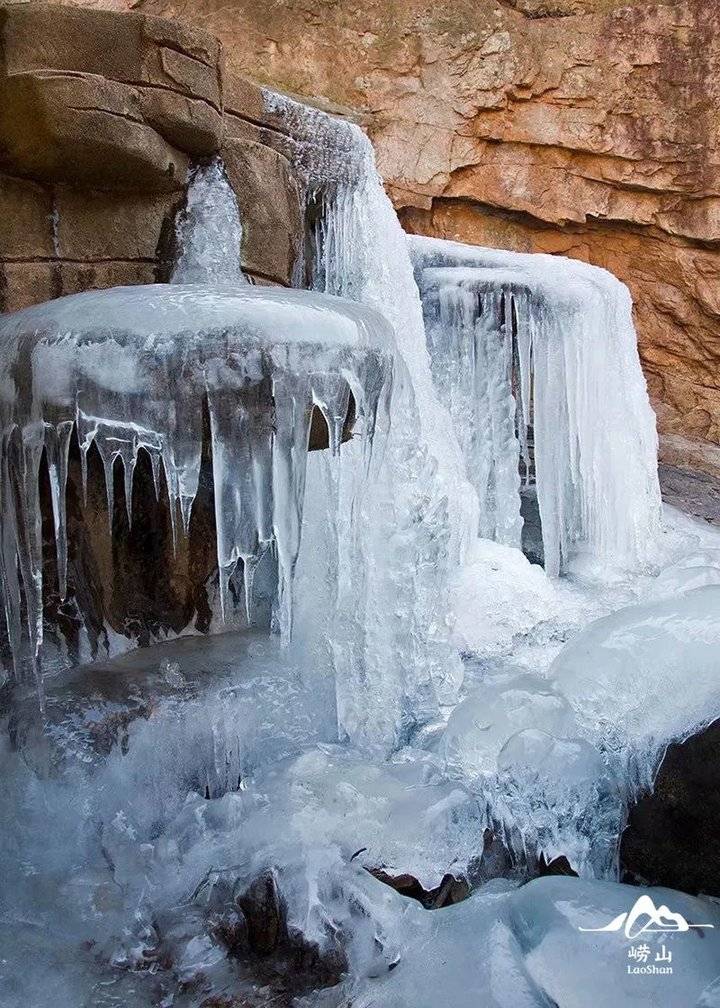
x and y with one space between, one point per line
131 367
541 343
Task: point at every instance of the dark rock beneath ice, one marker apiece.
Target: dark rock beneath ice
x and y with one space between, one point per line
496 861
671 838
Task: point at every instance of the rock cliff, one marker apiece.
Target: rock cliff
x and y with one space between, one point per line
100 117
582 127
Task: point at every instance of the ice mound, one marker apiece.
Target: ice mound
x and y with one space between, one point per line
543 345
525 949
496 597
695 570
130 368
647 674
481 724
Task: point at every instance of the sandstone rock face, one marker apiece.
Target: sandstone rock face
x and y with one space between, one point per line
101 115
587 128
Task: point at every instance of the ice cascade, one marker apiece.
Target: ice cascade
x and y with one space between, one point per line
393 659
130 368
545 345
208 231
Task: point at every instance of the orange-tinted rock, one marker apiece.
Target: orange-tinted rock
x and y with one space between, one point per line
582 127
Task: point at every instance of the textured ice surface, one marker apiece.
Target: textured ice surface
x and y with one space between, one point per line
523 949
498 596
131 367
646 675
390 639
695 570
539 342
208 231
482 723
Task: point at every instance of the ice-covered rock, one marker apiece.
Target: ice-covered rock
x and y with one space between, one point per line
695 570
646 675
525 949
131 368
539 342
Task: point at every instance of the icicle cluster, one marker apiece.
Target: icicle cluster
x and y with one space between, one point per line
129 368
208 231
394 665
543 343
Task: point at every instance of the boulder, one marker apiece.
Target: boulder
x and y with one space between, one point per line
672 833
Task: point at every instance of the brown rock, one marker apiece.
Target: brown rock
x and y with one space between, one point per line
84 130
26 219
269 206
671 836
586 128
27 283
95 225
134 49
190 124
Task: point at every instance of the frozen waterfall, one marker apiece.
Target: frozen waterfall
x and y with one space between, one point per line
543 343
208 231
390 640
130 368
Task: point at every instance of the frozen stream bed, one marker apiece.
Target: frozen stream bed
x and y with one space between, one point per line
212 844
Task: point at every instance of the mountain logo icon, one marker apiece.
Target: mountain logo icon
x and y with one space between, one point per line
644 918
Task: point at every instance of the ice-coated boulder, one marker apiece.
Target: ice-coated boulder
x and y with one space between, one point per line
138 368
545 346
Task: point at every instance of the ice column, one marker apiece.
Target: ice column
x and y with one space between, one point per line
562 357
401 535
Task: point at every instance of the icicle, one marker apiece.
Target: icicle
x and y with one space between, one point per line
30 541
57 446
293 412
131 367
331 394
249 566
155 463
580 387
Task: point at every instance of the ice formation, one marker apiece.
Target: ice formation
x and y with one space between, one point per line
130 368
407 540
176 778
208 232
542 344
645 676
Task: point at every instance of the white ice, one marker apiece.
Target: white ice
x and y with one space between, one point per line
540 342
130 368
208 232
